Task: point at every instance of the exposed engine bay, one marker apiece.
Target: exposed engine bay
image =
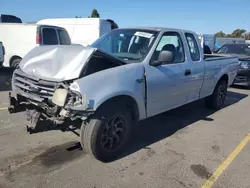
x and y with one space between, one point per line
53 104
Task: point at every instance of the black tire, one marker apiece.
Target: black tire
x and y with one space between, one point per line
15 63
101 138
217 99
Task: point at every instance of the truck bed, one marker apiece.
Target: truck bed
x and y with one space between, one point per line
212 57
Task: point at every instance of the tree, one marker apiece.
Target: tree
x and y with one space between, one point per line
94 14
238 32
247 36
220 34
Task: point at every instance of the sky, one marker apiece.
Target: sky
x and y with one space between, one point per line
205 16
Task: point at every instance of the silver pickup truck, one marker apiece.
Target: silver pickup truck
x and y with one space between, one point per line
126 76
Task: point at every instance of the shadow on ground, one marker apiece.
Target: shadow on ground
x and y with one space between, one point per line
5 78
164 125
156 128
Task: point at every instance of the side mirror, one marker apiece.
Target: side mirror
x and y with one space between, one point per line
155 63
166 56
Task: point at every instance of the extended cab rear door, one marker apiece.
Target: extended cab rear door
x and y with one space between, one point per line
196 66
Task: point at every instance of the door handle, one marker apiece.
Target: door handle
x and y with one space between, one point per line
187 72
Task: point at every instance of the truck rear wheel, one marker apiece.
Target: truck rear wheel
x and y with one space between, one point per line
106 134
217 99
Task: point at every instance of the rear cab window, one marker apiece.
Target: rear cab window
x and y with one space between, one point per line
193 47
49 36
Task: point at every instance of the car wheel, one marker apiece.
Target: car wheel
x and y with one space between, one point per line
217 99
15 63
106 134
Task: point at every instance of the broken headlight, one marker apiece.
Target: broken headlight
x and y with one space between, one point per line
59 96
76 101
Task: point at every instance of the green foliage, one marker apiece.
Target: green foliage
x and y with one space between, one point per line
238 32
220 34
235 34
247 37
94 14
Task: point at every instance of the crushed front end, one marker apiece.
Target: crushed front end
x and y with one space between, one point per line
48 104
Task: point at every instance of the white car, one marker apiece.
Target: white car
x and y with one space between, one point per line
126 76
18 39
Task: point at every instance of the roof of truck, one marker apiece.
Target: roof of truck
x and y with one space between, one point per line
159 29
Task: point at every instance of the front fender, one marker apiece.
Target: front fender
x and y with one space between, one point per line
104 85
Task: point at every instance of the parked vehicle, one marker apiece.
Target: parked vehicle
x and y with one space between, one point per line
221 41
4 18
243 53
19 39
210 40
1 54
82 31
125 76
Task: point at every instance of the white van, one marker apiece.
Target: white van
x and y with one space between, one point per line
18 39
82 31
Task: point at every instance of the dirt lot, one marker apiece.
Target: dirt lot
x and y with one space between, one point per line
180 148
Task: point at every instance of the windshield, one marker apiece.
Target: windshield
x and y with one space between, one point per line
241 49
126 44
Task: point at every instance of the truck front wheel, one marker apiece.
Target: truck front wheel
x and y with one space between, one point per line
217 99
106 134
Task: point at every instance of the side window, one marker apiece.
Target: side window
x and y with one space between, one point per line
49 36
171 39
63 37
193 47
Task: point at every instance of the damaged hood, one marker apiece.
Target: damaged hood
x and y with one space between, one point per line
56 63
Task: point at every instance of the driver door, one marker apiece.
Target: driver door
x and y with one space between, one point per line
166 83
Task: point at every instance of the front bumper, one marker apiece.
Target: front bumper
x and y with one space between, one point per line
40 117
243 77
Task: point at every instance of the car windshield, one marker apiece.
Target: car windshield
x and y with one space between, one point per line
241 49
126 44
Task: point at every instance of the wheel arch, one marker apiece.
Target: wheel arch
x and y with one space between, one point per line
126 100
14 57
223 77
